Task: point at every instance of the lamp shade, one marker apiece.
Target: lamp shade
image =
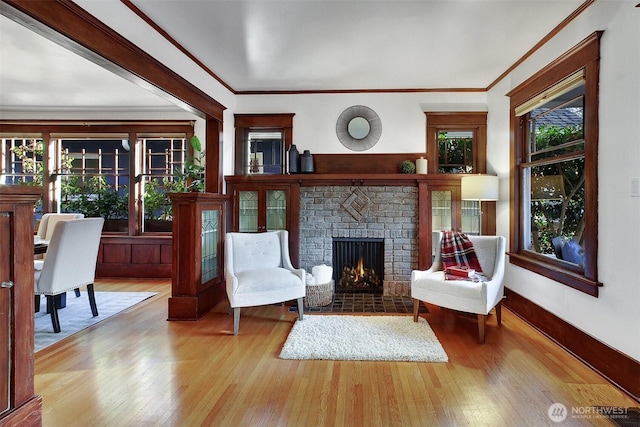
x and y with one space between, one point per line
479 187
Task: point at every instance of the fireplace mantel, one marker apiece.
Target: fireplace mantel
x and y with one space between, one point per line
346 179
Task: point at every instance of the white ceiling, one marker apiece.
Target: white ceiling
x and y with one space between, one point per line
294 45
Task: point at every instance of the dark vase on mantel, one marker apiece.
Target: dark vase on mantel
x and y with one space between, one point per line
307 162
294 160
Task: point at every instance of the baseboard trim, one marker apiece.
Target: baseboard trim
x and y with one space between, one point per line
616 367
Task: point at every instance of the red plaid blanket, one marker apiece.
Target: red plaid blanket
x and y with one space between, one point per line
457 250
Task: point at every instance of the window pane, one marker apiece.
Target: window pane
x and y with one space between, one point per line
557 127
455 152
265 154
95 180
22 165
163 160
556 210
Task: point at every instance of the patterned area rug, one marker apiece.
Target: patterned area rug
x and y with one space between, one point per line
77 316
344 337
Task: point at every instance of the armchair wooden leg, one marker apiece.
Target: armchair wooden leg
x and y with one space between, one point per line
36 301
53 310
499 313
77 292
236 320
92 300
300 309
482 320
416 309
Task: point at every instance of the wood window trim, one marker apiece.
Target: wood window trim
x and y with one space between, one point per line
585 55
474 121
244 122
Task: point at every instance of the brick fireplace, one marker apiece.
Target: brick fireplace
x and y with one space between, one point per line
389 213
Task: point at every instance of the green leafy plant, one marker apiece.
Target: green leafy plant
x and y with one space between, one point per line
191 176
407 166
94 198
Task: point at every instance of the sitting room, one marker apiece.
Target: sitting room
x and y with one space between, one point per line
320 212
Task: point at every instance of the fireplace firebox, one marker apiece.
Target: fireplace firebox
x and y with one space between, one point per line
358 265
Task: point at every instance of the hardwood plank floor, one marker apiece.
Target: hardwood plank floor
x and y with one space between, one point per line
138 369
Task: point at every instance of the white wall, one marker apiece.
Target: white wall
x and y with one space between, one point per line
613 317
402 116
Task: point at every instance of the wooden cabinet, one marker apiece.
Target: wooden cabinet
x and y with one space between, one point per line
259 205
197 279
261 209
18 403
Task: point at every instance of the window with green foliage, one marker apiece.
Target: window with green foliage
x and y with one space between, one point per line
455 152
555 163
119 176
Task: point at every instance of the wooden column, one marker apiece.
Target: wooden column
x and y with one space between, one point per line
18 403
191 294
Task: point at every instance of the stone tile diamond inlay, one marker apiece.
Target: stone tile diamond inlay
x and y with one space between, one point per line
357 204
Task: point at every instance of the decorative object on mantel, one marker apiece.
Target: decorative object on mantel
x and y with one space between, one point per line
358 128
307 162
421 165
407 166
294 159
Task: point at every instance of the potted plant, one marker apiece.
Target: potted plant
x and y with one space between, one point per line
190 177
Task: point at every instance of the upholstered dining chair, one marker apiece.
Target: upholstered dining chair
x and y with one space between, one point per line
462 295
258 271
45 230
71 263
49 221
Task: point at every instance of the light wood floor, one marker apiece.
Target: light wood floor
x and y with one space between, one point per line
138 369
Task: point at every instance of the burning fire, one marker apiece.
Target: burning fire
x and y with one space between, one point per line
359 277
359 270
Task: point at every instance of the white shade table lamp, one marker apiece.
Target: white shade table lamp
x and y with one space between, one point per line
481 188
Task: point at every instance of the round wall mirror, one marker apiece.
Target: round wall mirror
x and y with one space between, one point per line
358 128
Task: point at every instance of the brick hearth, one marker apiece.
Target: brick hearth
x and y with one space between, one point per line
384 212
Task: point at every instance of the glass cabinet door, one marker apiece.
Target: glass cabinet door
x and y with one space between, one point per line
210 261
248 211
276 210
440 216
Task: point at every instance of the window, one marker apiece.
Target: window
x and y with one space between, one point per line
554 159
261 143
121 172
457 142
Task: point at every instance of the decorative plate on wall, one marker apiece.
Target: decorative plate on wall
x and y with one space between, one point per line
358 128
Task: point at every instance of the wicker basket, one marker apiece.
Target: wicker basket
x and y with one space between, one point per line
319 295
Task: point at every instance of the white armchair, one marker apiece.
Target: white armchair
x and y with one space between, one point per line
462 295
70 263
258 271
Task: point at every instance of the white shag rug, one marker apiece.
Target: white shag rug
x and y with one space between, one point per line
389 338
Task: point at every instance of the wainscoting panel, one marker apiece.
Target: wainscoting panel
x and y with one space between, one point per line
135 256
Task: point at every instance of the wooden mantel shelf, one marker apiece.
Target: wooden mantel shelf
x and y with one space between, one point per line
358 179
